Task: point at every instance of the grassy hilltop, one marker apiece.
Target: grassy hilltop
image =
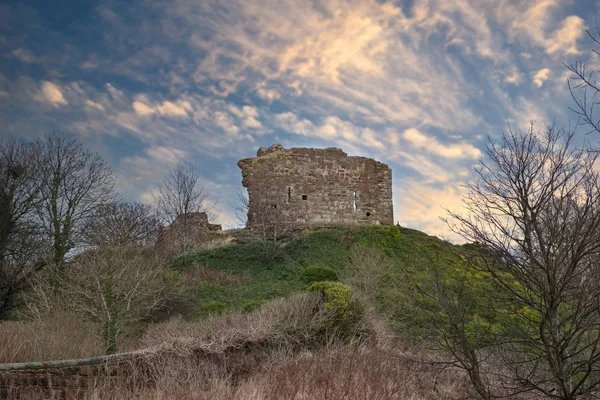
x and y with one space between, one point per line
243 313
239 277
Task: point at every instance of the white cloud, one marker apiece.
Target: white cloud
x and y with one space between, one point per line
335 127
51 92
170 109
432 145
292 124
331 128
225 122
142 108
541 76
165 154
565 38
166 108
535 22
358 58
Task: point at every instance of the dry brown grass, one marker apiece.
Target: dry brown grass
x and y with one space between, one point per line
346 372
270 354
59 335
283 321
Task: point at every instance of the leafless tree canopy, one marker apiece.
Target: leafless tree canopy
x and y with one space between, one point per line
116 286
180 194
20 242
73 183
584 88
536 207
122 223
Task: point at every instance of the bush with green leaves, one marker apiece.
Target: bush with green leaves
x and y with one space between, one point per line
341 313
252 305
212 308
318 273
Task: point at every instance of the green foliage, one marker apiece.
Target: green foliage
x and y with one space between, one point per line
318 273
447 298
252 305
342 313
337 295
171 277
395 293
212 308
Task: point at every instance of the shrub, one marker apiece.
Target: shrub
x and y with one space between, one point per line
337 295
341 313
212 308
318 273
252 305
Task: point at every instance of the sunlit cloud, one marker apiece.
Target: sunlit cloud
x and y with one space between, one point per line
51 92
425 207
541 76
432 145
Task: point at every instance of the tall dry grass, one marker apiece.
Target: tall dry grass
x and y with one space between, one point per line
56 336
347 372
273 354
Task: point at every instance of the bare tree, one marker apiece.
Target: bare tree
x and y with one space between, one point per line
454 303
585 89
73 182
122 223
20 247
116 286
179 196
536 208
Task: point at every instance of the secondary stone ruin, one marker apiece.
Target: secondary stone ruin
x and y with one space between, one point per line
299 187
188 231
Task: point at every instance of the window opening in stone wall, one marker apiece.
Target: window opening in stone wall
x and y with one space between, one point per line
273 205
354 203
289 194
368 214
304 197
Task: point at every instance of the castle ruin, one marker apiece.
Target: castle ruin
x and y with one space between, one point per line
188 231
316 187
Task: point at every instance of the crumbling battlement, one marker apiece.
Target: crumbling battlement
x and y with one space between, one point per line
317 187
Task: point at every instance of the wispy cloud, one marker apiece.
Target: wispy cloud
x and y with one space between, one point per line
416 84
432 145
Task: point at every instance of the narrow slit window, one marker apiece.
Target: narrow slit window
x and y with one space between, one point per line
289 194
354 202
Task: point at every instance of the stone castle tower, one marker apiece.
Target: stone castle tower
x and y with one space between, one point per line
316 187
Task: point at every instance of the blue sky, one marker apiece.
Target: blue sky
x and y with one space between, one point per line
416 84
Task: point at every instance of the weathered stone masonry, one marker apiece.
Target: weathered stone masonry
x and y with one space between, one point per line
317 187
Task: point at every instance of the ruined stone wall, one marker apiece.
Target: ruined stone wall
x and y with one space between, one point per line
316 187
70 379
187 231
